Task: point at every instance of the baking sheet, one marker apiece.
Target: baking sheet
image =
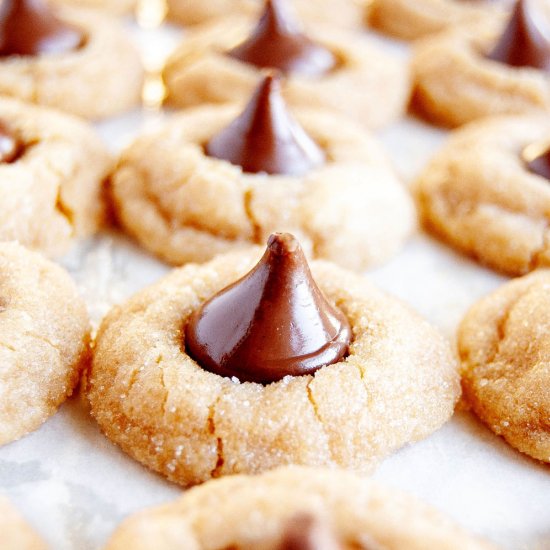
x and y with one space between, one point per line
74 486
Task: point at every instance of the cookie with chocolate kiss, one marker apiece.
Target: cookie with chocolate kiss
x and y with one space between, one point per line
506 62
492 201
324 67
73 60
52 173
250 361
349 14
45 336
222 177
414 20
293 508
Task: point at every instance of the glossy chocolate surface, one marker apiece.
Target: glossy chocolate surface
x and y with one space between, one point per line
541 165
10 146
305 532
266 138
525 41
272 323
28 27
277 43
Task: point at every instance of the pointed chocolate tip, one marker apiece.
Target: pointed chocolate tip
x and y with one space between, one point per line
278 43
523 42
29 27
272 323
540 165
306 532
266 138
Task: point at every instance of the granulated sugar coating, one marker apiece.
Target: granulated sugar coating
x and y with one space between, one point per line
398 384
504 343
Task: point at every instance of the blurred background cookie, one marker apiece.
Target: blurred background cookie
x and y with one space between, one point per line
15 534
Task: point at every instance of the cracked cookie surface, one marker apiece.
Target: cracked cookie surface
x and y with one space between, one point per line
454 83
44 340
411 20
249 513
478 195
15 534
504 344
185 206
341 13
52 193
368 84
398 384
100 79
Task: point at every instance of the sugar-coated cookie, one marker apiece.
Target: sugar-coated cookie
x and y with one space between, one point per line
341 13
15 534
397 383
337 70
186 205
52 169
411 20
492 68
75 60
479 194
260 512
504 344
44 334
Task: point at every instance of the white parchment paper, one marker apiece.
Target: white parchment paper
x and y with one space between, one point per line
74 486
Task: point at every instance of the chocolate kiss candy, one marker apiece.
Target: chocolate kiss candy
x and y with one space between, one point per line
541 165
266 138
27 27
523 43
272 323
278 43
9 146
304 532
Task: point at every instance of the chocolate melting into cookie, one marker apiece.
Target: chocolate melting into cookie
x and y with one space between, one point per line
272 323
266 138
523 43
28 27
541 165
277 43
10 146
305 532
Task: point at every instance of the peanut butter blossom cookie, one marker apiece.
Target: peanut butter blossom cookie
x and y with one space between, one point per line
76 61
292 508
504 344
326 68
219 178
411 20
487 192
44 340
489 69
52 168
341 13
240 365
15 534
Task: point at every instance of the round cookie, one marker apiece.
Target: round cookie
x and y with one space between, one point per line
367 83
456 81
504 344
411 20
478 194
397 384
184 205
341 13
100 78
15 534
44 336
253 512
51 192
